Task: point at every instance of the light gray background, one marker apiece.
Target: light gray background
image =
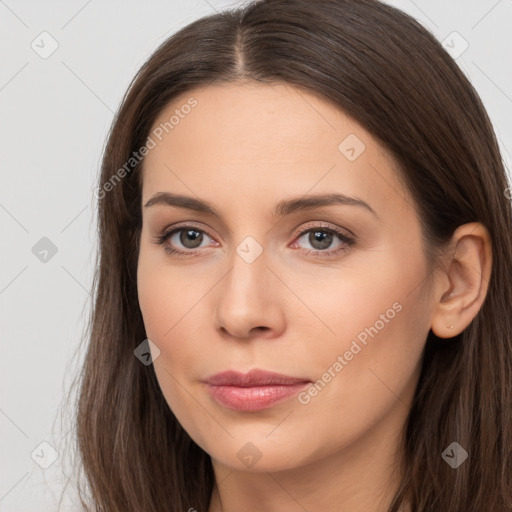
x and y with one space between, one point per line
55 114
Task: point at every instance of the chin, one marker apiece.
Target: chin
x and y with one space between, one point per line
258 455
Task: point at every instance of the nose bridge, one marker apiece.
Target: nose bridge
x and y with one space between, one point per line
248 274
246 299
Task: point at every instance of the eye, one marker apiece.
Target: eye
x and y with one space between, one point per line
321 239
185 238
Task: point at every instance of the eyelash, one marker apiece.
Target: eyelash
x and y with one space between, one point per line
349 242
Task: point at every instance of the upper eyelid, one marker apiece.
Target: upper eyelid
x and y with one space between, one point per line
181 227
299 232
303 227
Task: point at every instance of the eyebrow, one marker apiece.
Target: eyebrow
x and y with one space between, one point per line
285 207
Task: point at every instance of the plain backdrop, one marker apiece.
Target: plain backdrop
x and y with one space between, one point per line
55 112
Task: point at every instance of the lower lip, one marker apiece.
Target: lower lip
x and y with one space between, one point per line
254 398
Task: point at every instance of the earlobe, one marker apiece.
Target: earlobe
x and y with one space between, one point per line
466 274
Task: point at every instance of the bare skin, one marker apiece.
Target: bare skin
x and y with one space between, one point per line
243 149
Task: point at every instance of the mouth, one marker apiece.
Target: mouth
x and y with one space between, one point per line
253 391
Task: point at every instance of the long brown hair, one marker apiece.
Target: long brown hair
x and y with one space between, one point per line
391 75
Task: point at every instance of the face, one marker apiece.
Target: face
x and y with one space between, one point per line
330 292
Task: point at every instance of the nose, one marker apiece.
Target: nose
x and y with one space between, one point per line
248 301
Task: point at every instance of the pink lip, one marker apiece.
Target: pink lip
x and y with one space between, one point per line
253 391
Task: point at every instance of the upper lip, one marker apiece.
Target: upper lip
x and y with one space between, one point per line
255 377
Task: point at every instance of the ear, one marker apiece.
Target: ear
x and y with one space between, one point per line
464 280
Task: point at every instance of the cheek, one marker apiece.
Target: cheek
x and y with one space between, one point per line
169 320
165 293
378 323
172 302
155 302
368 373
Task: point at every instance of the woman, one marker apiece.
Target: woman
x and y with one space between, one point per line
303 290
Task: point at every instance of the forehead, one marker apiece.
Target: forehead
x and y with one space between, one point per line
269 141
